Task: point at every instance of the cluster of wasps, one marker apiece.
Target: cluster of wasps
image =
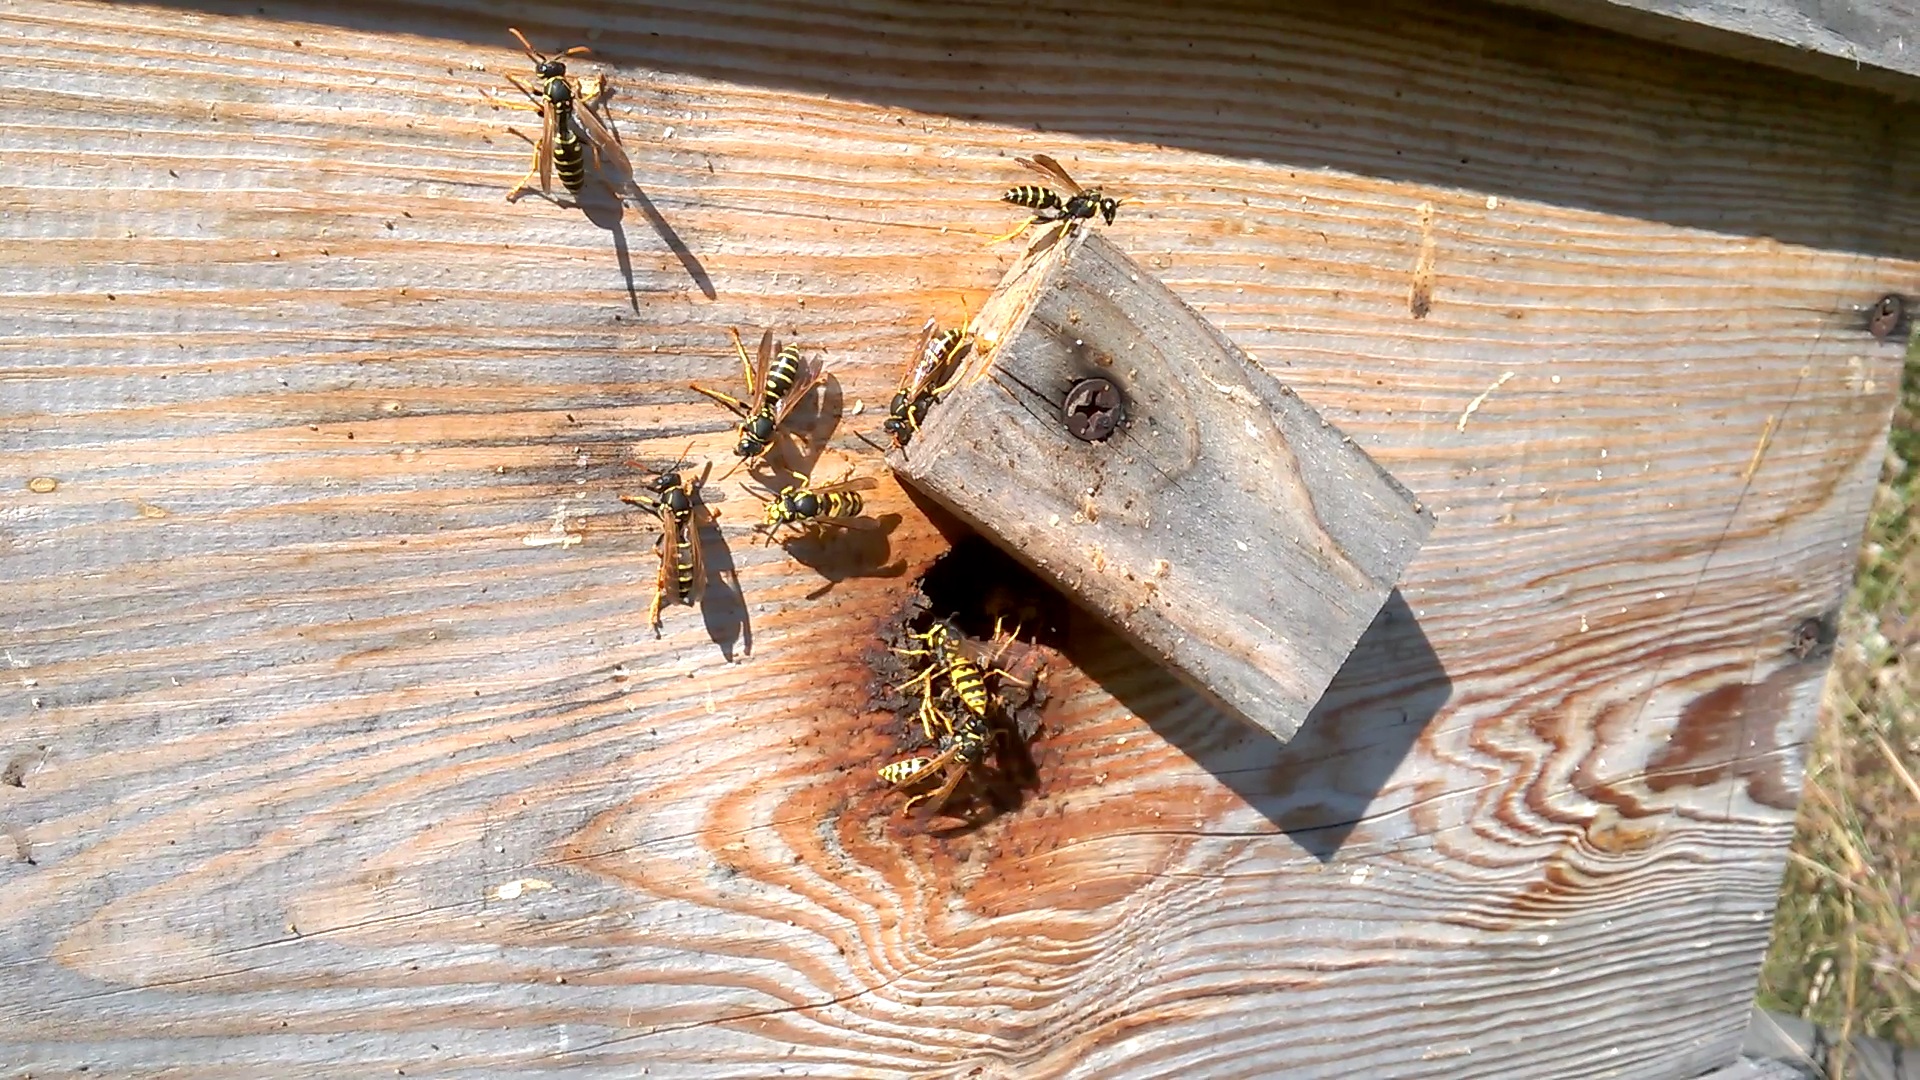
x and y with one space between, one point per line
960 716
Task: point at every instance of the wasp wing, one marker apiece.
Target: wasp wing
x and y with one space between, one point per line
915 374
543 152
929 767
615 169
699 519
1046 166
857 483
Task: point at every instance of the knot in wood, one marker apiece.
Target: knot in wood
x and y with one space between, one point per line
1092 409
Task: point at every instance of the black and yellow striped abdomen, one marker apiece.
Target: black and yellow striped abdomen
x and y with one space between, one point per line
683 570
782 373
569 153
840 504
962 674
901 772
1033 197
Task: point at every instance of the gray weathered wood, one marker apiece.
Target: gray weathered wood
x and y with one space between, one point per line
1225 528
1872 43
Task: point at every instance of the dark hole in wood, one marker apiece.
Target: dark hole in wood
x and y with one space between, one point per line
978 589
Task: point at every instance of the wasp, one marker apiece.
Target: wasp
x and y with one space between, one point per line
920 387
774 386
803 506
962 750
675 499
947 657
1081 204
565 104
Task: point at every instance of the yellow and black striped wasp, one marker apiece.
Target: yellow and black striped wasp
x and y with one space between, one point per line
675 500
801 506
947 658
1080 204
565 104
774 386
962 750
921 387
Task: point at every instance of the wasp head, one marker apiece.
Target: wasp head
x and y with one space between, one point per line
1107 207
550 69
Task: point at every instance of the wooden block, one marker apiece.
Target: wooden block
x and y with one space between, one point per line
1223 527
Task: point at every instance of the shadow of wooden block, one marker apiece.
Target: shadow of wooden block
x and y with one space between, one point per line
1223 527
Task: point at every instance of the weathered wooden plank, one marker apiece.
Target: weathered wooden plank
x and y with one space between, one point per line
333 627
1222 526
1862 42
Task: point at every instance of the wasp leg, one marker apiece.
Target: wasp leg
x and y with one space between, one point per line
928 714
1004 237
728 400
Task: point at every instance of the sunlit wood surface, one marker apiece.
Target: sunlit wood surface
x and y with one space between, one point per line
331 731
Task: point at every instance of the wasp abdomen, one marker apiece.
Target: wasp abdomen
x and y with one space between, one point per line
1033 197
781 375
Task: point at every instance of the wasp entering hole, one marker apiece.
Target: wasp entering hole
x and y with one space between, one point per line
962 668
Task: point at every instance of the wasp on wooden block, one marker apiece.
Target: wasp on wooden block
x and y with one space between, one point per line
565 104
1080 204
801 506
774 386
921 387
675 500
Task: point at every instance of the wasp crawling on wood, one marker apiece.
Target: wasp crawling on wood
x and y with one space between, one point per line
774 386
801 506
675 500
921 387
1081 204
565 104
947 658
963 749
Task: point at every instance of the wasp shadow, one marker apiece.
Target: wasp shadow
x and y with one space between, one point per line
840 554
723 605
816 418
607 210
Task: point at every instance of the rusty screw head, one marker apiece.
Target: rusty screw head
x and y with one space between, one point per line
1886 316
1092 409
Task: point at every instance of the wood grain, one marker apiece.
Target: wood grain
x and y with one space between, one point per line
1224 528
333 628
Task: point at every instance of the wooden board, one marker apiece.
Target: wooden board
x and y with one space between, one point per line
332 631
1861 43
1223 528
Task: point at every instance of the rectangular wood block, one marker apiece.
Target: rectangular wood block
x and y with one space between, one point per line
1224 527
